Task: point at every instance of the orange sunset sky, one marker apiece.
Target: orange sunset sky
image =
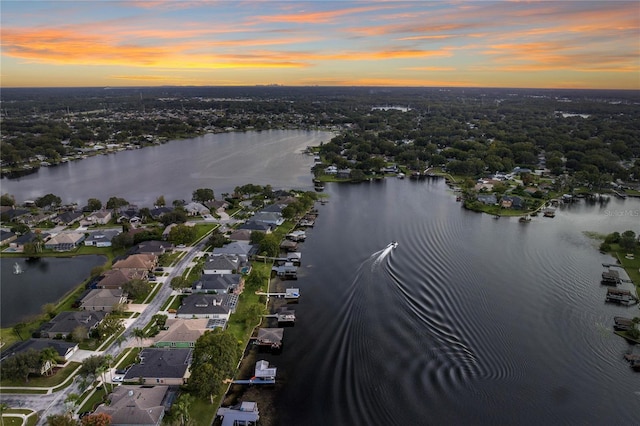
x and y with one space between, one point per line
549 44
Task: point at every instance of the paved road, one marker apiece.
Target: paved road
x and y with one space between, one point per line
53 403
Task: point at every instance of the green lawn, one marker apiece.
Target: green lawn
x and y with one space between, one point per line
92 402
44 381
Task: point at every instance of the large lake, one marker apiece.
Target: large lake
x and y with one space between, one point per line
177 168
470 320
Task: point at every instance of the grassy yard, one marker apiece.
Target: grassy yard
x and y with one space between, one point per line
90 404
44 381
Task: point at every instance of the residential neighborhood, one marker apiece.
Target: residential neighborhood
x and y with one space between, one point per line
149 361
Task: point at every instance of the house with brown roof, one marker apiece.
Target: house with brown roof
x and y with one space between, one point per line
139 262
103 299
180 333
116 278
65 241
136 405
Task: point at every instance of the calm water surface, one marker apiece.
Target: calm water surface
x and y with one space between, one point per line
470 320
41 281
177 168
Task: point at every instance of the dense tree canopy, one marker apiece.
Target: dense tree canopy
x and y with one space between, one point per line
215 357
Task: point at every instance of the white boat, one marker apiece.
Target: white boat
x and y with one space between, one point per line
16 268
393 244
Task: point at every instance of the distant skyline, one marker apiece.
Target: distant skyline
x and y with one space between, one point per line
512 44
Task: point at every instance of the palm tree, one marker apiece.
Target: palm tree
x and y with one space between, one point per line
181 407
139 334
49 355
72 402
108 359
101 370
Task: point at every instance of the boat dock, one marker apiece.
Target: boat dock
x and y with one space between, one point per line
290 293
623 297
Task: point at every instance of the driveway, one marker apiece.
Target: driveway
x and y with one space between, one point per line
82 354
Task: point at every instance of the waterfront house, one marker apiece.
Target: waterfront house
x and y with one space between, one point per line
18 243
65 323
331 170
196 209
158 212
101 238
100 217
64 349
218 206
488 199
103 299
257 226
238 248
180 333
67 218
137 405
138 262
343 174
270 218
160 366
65 241
6 237
512 202
116 278
219 284
274 208
210 306
223 264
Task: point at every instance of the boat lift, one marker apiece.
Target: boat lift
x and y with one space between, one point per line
263 375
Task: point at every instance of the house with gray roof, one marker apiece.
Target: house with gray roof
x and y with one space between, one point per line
20 241
270 218
211 306
488 199
64 349
101 238
219 284
241 249
137 405
253 225
63 324
161 367
67 218
196 209
222 264
6 237
240 235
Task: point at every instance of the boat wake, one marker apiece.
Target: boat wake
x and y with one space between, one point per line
381 254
